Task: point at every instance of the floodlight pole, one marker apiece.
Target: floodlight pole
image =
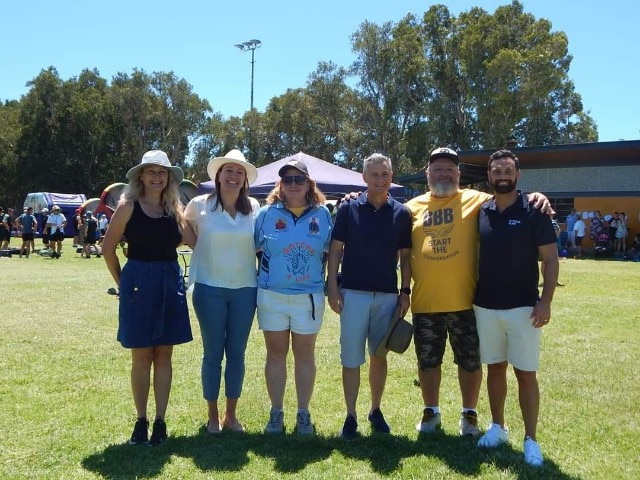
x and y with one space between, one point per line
250 45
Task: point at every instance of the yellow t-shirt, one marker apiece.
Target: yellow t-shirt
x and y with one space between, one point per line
444 252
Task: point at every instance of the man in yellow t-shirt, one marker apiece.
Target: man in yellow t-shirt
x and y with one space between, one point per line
444 257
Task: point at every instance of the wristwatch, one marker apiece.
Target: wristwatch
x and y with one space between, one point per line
405 290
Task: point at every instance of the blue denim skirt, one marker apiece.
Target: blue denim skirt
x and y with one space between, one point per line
153 305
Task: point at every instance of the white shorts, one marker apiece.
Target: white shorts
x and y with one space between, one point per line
299 313
508 335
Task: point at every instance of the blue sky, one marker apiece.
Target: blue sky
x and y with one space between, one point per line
195 39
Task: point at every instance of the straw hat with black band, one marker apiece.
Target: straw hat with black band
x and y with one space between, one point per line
234 156
159 158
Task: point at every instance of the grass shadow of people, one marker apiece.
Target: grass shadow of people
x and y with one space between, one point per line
461 455
216 453
291 454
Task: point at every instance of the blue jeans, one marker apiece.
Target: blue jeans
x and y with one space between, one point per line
225 316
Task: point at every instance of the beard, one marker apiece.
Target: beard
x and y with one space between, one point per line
443 189
504 187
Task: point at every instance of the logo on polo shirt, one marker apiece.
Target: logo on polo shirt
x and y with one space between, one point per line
314 226
281 224
298 255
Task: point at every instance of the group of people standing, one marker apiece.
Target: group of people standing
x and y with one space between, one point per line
434 238
88 231
611 229
27 225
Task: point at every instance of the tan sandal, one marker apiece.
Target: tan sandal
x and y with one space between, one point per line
214 432
232 427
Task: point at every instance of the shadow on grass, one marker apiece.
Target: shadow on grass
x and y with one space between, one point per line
229 452
386 453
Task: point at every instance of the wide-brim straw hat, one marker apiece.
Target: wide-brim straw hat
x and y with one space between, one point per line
156 157
234 156
398 336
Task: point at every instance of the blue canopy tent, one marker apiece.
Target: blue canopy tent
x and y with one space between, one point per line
333 180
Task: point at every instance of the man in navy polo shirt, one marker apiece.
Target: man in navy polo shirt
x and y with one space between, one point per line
369 235
509 313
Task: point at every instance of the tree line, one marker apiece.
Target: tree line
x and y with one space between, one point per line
469 82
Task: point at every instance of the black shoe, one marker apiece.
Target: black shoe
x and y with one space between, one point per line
350 428
159 433
378 423
140 434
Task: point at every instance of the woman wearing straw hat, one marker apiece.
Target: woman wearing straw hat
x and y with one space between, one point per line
153 311
223 271
293 232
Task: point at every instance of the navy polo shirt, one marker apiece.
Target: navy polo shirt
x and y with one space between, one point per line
508 266
371 240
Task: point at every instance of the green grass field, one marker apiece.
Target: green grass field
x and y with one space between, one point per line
66 409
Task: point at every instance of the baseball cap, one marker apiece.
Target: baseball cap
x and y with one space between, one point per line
297 164
444 152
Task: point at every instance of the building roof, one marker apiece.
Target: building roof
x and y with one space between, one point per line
473 162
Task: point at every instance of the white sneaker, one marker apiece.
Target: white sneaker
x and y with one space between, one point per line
532 453
430 421
469 424
495 436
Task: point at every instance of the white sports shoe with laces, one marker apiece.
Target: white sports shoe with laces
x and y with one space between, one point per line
495 436
532 453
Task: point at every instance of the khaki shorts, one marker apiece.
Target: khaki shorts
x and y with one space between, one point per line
508 336
365 319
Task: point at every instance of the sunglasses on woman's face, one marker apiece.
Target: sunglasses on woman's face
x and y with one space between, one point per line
298 179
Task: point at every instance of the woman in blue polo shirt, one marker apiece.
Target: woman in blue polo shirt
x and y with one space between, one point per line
292 232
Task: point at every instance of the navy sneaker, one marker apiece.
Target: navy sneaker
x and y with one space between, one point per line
378 423
159 433
140 434
350 428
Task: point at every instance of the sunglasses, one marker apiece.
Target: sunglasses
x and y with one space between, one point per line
298 179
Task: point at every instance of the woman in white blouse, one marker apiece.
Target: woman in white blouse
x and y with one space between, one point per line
223 271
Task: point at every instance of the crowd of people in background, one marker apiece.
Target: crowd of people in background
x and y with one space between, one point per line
49 226
609 233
